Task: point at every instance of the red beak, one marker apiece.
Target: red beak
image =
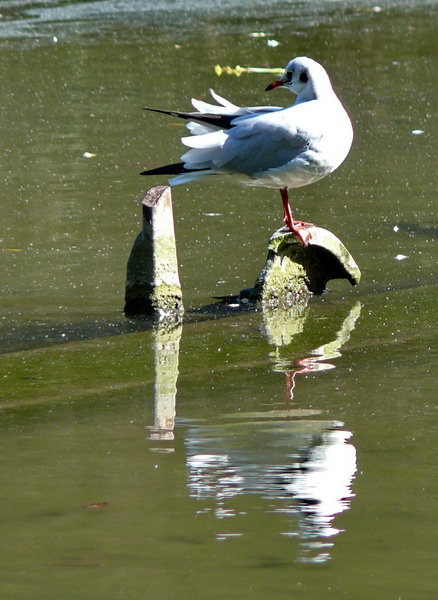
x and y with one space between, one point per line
274 84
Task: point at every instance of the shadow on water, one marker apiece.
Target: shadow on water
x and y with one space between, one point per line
41 333
418 229
300 464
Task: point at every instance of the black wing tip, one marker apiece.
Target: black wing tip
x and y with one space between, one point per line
174 169
217 120
173 113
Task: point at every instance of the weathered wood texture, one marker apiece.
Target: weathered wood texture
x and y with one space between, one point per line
152 282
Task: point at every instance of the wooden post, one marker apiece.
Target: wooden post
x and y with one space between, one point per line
294 272
152 282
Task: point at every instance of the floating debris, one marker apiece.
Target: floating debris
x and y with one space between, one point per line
89 155
221 537
417 131
97 505
400 257
238 70
273 43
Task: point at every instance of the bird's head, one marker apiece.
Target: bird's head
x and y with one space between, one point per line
302 76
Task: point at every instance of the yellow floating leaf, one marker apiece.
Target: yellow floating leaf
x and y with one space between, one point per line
238 70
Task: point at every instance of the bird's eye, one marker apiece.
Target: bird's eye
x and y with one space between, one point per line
303 77
289 75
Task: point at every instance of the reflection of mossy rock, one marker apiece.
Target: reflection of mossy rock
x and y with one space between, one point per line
284 323
293 272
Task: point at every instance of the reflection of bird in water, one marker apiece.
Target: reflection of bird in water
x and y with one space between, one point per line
307 472
323 487
268 146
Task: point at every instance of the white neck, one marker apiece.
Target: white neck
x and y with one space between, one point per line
317 87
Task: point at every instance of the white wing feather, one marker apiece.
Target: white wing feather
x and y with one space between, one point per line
268 145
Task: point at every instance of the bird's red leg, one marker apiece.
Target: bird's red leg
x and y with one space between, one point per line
298 228
287 209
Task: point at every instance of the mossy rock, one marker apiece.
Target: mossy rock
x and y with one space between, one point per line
293 272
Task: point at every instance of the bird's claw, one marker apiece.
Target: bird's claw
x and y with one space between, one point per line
302 234
299 229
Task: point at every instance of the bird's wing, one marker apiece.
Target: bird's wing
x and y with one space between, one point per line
211 117
225 112
225 107
254 144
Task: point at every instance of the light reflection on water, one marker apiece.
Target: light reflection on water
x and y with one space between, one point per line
305 475
301 465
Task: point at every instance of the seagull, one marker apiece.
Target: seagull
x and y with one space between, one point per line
270 146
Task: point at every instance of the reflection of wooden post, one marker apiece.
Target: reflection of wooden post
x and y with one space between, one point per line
166 358
152 282
293 272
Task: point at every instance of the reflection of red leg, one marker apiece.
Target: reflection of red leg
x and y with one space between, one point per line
298 228
290 385
306 365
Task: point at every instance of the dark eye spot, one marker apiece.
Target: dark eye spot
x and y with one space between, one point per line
289 75
303 77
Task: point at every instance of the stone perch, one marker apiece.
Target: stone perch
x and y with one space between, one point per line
152 281
294 272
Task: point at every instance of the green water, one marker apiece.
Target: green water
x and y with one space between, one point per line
300 458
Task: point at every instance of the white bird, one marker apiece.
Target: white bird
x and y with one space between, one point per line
268 146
